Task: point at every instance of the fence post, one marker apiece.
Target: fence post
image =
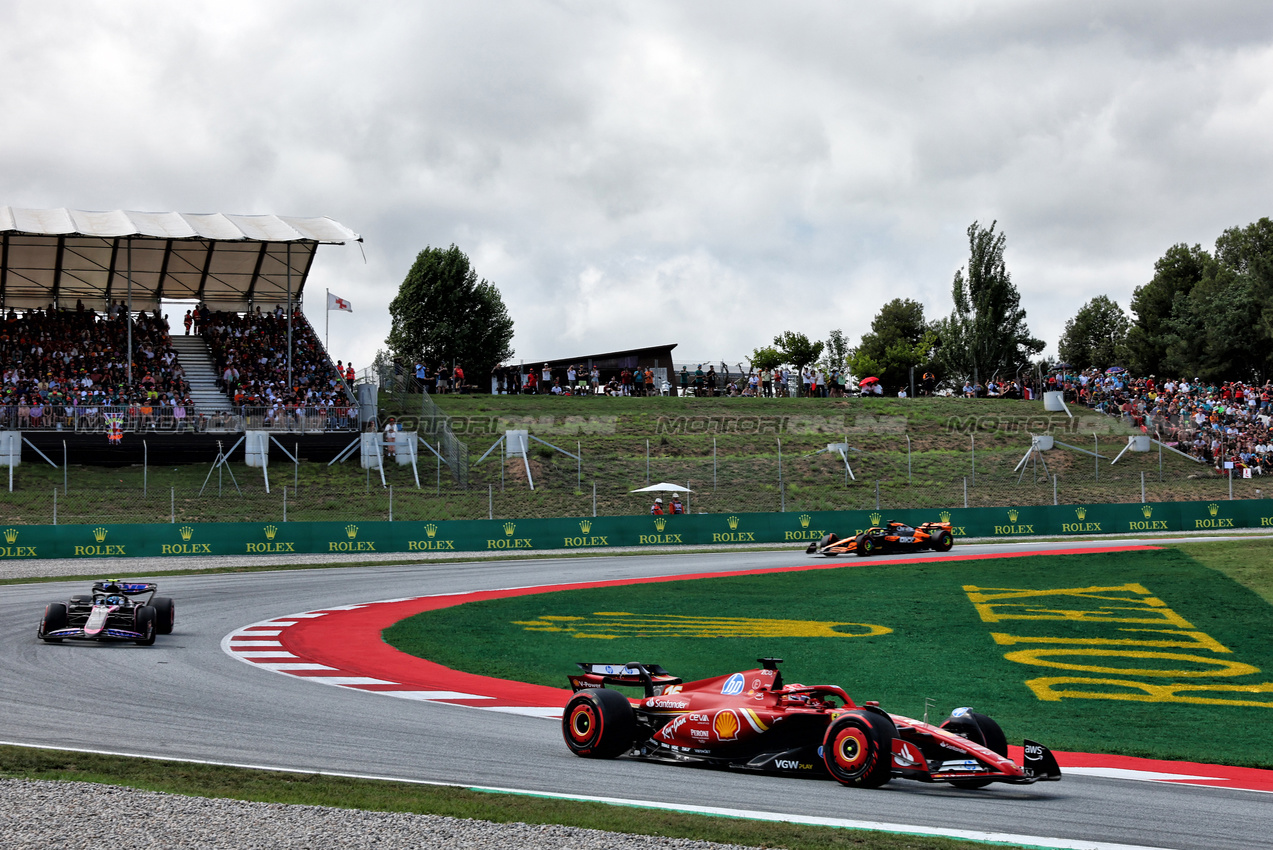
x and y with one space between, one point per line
172 506
594 498
1054 502
391 503
908 439
647 463
973 438
490 502
1096 449
965 491
1142 488
55 506
782 493
284 503
1230 483
713 464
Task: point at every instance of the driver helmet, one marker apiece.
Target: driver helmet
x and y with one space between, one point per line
115 600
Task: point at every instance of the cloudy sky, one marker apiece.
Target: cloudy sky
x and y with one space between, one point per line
633 173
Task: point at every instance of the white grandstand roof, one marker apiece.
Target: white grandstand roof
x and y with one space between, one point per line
229 261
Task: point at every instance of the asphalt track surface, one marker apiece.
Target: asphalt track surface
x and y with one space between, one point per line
186 698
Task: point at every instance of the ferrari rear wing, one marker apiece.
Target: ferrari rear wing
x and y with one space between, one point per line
652 677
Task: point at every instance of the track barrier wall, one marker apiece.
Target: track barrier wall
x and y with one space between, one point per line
528 535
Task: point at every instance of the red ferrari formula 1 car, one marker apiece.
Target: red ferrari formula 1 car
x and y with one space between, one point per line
893 537
753 721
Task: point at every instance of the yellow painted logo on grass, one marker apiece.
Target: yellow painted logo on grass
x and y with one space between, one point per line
608 625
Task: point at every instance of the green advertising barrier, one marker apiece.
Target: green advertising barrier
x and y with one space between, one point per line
193 540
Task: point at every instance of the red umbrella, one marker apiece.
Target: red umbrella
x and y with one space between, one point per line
866 381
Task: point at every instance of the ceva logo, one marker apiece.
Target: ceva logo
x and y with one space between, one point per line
734 685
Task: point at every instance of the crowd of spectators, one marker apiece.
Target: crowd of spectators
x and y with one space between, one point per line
249 352
1219 423
70 367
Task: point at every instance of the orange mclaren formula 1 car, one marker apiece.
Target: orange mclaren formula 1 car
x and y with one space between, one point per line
892 537
751 720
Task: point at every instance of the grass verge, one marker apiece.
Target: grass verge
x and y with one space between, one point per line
202 780
1104 671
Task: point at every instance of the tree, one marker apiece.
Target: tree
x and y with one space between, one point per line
1096 335
1214 331
899 339
797 350
444 315
1176 273
986 332
766 359
836 351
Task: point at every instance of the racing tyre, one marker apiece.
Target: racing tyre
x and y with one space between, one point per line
979 729
599 724
54 618
165 614
866 546
858 750
144 621
942 541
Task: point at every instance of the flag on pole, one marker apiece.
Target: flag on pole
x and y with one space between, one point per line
335 303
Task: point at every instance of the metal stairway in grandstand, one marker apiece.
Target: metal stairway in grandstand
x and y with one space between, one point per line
193 354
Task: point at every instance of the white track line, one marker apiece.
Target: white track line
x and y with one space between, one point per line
743 814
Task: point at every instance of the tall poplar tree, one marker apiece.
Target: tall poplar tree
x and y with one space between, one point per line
986 332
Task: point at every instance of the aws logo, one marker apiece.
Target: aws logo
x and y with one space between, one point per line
607 625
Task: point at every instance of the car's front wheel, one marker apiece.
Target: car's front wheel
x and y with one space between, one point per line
858 749
866 546
144 621
54 618
599 724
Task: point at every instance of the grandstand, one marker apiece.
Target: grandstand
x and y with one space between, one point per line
90 369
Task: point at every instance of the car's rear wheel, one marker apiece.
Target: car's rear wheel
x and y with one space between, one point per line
943 541
858 749
865 546
165 614
599 724
979 729
144 621
54 618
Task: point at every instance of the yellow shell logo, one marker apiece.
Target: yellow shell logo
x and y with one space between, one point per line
351 531
733 523
875 518
1081 513
430 530
1213 509
660 523
509 528
945 516
726 725
585 526
805 519
1147 511
11 535
186 532
99 534
270 531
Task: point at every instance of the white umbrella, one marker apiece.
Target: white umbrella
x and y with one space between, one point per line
664 488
